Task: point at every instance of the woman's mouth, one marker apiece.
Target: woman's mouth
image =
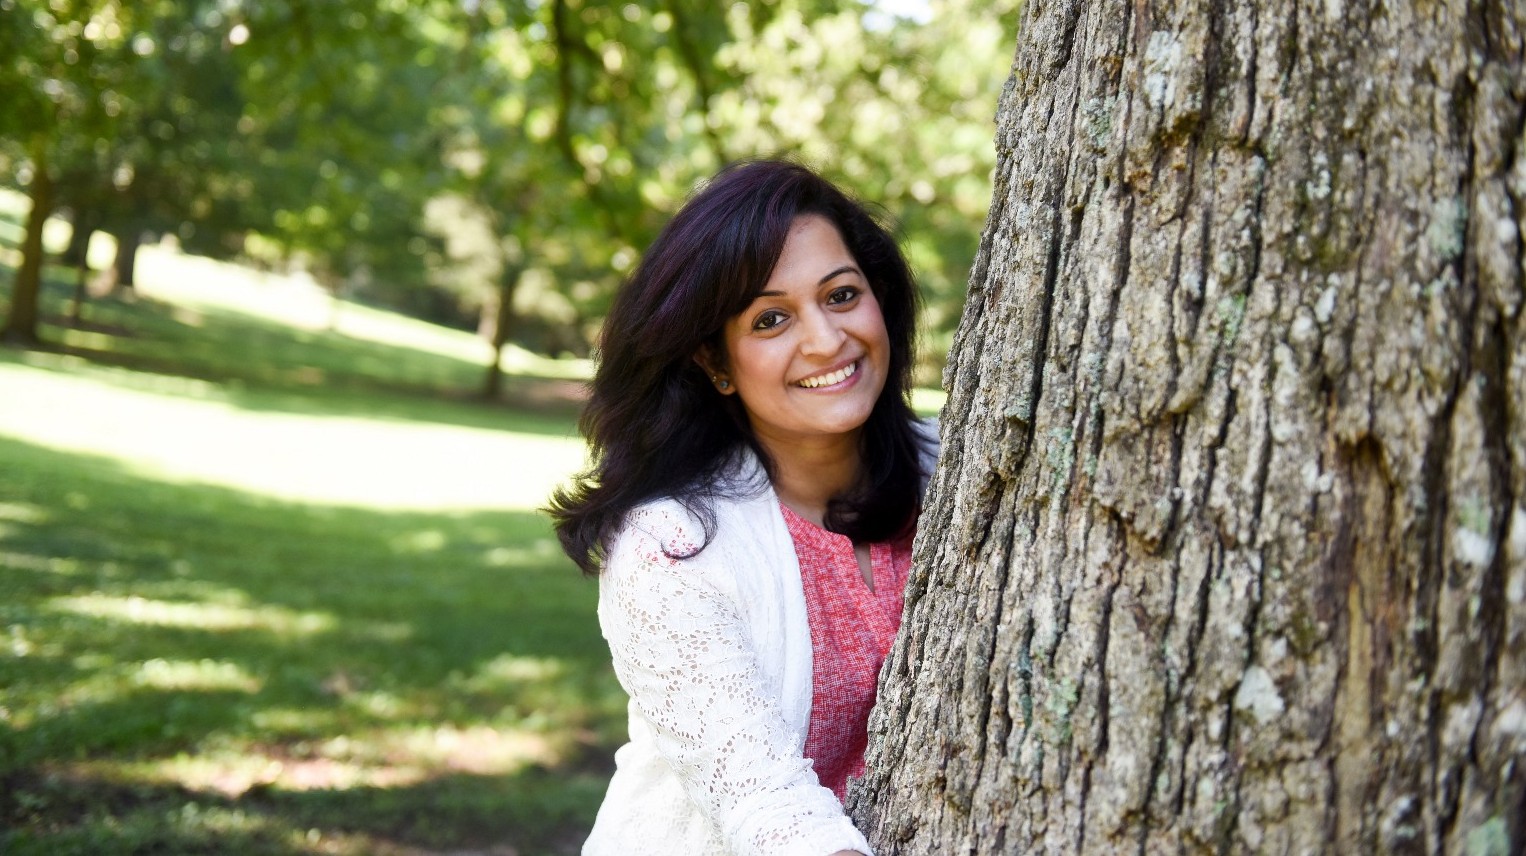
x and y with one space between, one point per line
829 378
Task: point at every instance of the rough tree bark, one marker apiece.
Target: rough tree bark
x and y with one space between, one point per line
1227 548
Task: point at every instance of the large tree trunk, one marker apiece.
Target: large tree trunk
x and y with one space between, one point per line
1227 548
26 288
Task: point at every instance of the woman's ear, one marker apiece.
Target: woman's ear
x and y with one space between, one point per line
716 369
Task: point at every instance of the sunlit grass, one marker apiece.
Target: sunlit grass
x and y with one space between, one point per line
298 301
186 645
199 287
379 758
173 641
204 616
267 587
192 432
193 675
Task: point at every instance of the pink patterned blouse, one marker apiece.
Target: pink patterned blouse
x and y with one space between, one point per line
852 629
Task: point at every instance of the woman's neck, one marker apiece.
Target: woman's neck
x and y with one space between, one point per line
808 475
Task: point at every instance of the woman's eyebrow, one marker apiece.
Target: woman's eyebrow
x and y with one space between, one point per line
823 281
842 270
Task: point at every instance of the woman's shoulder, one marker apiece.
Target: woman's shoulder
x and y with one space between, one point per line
666 525
676 529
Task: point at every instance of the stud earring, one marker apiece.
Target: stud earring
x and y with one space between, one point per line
721 383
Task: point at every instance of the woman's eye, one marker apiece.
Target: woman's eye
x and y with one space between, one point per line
842 295
768 320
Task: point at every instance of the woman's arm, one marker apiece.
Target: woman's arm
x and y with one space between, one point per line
685 655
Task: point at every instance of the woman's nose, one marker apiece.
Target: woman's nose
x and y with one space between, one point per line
823 336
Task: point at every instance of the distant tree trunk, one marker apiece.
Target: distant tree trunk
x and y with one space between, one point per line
336 290
78 255
82 228
125 265
1227 548
503 327
26 288
77 305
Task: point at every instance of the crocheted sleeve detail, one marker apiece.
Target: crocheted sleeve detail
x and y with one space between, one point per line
683 653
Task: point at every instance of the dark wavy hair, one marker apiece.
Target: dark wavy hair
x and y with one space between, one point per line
656 426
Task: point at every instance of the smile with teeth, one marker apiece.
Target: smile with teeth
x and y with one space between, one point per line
830 378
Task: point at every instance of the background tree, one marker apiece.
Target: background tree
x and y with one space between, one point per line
173 162
569 130
61 60
343 153
582 127
553 135
897 110
1227 549
127 117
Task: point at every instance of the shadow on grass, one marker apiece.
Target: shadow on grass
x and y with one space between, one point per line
261 364
415 680
533 811
58 815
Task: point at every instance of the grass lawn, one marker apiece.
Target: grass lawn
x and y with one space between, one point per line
271 581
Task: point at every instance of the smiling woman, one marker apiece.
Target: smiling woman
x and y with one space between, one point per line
809 356
757 476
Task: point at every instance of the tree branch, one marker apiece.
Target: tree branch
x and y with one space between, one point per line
702 90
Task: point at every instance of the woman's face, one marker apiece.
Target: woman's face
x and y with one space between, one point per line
810 356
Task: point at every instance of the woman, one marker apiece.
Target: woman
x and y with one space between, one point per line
756 480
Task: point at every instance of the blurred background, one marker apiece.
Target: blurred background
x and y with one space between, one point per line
298 299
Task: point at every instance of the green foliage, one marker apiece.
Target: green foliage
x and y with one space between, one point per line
135 105
901 114
64 59
375 144
340 108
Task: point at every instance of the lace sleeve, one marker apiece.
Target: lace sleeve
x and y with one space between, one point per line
684 654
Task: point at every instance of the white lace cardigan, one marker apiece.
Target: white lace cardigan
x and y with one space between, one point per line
715 653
